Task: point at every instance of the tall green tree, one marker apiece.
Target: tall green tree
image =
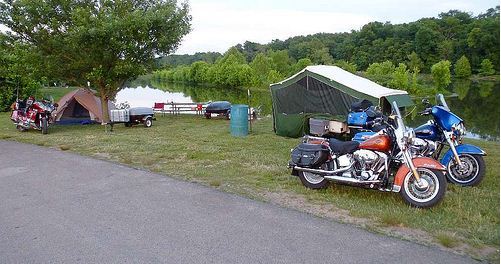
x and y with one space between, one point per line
401 77
105 42
462 68
441 74
261 65
300 65
19 74
347 66
414 61
486 68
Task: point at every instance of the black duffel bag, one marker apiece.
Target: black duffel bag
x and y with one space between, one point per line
310 155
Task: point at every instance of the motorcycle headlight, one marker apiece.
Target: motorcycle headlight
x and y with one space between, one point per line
459 129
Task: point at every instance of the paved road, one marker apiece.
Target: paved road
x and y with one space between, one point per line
60 207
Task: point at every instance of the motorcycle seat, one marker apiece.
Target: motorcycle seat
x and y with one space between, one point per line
343 147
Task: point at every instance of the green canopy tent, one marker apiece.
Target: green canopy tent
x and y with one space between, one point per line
325 90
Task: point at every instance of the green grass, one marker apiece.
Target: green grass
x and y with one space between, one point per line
200 150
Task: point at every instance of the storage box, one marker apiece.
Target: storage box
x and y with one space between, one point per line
338 127
120 115
319 127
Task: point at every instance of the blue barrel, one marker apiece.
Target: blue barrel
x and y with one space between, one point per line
239 124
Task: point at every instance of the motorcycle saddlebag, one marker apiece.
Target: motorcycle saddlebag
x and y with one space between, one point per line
310 155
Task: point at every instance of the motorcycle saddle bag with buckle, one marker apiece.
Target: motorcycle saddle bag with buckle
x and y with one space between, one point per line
310 155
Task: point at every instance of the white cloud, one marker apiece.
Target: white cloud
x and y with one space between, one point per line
217 27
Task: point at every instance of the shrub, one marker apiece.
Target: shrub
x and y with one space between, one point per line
462 68
441 74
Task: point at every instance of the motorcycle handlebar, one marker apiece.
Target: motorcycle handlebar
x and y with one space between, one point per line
427 111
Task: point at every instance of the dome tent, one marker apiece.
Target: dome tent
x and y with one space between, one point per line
78 107
328 90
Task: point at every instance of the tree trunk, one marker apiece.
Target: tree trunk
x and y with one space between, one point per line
106 111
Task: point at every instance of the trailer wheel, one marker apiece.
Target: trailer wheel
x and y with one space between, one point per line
148 122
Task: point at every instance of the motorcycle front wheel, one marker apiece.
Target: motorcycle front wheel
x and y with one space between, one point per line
21 128
429 193
470 172
45 126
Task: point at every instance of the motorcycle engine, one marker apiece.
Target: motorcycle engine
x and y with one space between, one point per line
365 158
422 147
369 163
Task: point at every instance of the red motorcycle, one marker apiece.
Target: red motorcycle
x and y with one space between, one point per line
33 114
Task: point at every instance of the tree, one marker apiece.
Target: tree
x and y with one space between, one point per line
441 74
105 42
198 72
486 68
462 68
382 68
19 77
281 61
401 77
261 66
347 66
414 61
301 64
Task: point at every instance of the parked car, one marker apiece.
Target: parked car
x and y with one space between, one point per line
221 108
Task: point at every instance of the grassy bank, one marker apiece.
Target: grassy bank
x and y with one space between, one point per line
195 149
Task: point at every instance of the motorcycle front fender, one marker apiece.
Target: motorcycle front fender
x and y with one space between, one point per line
421 162
462 149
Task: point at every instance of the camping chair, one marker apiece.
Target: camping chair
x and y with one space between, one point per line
159 107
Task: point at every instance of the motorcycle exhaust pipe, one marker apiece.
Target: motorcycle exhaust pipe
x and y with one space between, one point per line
323 172
329 175
349 180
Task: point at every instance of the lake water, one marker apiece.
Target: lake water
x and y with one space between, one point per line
476 102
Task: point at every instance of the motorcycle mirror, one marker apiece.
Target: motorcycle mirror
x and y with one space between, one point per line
56 105
425 102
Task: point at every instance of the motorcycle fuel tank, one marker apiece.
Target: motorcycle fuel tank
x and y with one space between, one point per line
377 143
428 131
445 118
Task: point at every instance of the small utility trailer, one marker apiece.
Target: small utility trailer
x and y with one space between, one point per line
133 116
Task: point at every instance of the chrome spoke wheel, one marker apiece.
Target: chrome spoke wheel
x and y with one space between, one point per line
426 190
313 178
464 172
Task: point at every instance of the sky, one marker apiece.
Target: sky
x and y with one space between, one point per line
218 24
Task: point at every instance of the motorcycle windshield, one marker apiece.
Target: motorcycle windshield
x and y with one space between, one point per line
48 99
441 102
400 129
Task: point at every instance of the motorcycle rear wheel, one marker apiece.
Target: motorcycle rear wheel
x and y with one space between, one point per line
470 174
433 191
312 180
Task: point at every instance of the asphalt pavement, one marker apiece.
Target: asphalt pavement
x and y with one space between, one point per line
60 207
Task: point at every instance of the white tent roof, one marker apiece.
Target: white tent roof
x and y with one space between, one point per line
350 80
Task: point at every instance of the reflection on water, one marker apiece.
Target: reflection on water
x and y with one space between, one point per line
477 103
146 96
